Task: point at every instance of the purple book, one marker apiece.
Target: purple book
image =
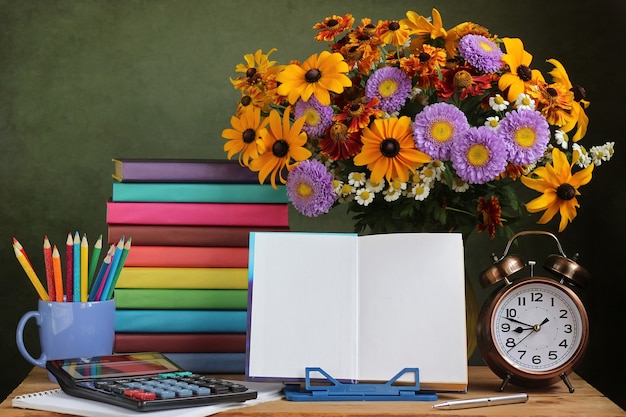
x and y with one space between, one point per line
182 170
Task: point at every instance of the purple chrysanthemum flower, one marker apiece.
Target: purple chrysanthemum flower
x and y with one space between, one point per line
479 156
318 117
310 188
526 134
391 86
481 53
437 128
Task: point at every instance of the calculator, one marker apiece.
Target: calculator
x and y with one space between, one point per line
145 381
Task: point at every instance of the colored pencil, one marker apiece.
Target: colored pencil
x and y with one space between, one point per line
47 257
77 277
97 282
93 265
18 245
84 268
118 270
111 272
30 273
58 275
69 268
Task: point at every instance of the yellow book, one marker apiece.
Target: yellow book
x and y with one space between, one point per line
201 278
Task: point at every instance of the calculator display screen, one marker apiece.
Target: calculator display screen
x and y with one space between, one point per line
118 366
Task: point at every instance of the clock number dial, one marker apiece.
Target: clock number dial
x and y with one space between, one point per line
537 327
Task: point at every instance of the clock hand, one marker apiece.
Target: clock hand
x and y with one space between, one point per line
520 329
519 322
535 328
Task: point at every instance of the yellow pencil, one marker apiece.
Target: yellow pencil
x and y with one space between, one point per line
58 275
84 269
31 274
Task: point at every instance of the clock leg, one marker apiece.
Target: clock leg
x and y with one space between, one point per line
505 381
565 379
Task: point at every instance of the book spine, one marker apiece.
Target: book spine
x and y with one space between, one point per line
164 235
198 193
180 321
210 363
204 214
183 299
180 342
183 278
182 170
187 256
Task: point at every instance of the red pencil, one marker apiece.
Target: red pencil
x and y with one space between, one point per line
69 267
47 257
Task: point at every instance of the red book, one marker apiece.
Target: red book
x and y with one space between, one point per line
180 342
201 214
187 256
164 235
182 170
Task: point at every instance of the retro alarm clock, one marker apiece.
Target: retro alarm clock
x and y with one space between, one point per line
532 331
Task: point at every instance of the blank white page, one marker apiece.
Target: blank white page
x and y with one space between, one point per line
303 305
412 308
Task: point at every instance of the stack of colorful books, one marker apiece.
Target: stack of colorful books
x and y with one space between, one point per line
184 287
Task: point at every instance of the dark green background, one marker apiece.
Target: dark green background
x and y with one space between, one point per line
84 81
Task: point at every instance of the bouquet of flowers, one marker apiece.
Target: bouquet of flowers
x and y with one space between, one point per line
415 127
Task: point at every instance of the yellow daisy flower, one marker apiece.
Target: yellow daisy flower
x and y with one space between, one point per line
389 150
316 76
242 138
579 118
559 187
281 146
519 74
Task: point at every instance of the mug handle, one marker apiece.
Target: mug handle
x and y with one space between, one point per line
19 338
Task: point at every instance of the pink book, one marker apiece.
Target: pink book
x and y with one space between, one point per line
201 214
187 256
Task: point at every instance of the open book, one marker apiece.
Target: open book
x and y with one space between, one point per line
362 308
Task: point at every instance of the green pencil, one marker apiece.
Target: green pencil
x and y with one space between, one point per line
97 247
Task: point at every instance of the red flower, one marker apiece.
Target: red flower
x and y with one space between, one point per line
490 214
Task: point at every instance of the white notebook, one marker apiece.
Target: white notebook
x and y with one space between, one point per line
58 401
362 308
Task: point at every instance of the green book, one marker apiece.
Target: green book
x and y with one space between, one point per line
180 299
198 193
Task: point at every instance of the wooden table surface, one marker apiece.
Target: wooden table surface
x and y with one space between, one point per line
552 401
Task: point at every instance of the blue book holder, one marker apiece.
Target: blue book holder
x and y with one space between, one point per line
337 391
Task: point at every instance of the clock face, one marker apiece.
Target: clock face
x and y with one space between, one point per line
537 326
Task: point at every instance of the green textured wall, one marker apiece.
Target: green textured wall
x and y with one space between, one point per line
84 81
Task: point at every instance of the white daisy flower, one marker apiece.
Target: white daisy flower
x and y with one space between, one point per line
584 160
420 191
524 102
364 196
357 179
391 194
498 103
561 138
601 153
459 186
492 122
375 188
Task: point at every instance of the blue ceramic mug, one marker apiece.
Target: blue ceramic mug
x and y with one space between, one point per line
70 330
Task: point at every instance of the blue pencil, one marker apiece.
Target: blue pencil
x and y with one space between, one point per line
118 270
97 282
76 275
111 273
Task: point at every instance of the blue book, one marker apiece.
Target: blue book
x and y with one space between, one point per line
180 321
198 193
210 363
